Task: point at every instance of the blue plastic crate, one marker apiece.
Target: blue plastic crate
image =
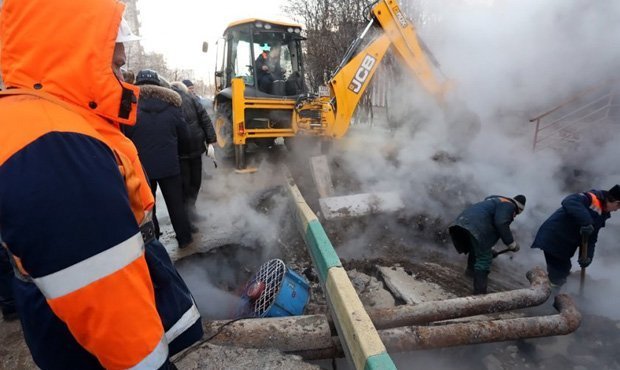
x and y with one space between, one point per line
292 298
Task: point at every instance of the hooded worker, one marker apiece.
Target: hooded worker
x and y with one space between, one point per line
94 289
581 216
478 228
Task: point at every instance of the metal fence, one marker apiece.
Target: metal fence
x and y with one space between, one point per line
568 122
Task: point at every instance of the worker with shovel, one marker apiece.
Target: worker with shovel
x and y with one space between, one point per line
476 230
575 225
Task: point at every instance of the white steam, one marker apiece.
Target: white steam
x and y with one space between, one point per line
511 60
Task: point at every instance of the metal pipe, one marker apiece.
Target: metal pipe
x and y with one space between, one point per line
285 333
310 337
426 312
426 337
311 332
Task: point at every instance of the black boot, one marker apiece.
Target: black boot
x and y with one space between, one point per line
480 282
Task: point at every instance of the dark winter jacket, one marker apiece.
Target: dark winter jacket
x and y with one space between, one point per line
559 234
489 220
201 131
260 62
159 131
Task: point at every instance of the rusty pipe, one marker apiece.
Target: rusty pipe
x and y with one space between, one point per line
285 333
426 337
426 312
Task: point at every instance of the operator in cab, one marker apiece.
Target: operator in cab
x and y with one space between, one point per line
266 68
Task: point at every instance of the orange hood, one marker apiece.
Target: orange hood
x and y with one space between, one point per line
64 48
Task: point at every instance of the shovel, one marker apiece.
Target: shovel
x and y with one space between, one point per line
497 253
583 254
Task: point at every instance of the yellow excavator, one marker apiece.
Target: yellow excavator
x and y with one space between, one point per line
260 89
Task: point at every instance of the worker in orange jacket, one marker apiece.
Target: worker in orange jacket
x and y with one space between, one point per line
95 289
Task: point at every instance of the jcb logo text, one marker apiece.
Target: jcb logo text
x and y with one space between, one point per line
362 74
401 18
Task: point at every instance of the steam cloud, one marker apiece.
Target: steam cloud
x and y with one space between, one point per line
511 60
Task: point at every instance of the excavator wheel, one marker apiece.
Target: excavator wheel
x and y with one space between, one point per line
223 130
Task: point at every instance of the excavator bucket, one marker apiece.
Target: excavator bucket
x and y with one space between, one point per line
355 205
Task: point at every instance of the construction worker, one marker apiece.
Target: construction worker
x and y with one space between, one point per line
159 134
476 230
580 218
94 289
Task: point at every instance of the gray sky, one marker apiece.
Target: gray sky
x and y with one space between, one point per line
178 29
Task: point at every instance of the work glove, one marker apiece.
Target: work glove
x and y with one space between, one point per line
585 262
586 230
514 247
211 151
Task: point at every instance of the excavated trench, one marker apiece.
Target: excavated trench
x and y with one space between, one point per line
369 244
411 244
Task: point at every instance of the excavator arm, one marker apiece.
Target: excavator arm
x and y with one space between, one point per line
351 79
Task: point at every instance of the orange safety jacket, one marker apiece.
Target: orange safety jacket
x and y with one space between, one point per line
72 190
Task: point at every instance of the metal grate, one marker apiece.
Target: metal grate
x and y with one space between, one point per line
271 273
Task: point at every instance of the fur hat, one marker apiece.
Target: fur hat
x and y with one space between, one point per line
188 83
520 201
147 77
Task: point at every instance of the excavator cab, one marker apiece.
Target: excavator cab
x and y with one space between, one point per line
276 46
259 76
254 108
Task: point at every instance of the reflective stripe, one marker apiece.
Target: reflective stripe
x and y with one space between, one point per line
188 319
596 204
91 269
156 358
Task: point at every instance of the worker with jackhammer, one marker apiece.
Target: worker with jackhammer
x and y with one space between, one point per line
578 221
476 230
94 289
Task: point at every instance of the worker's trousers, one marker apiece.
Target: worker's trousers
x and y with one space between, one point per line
191 175
172 190
558 269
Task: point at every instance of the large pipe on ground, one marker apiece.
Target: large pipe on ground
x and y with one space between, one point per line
426 337
310 336
282 332
285 333
425 312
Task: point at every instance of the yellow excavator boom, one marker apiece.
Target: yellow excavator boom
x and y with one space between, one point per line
351 80
252 109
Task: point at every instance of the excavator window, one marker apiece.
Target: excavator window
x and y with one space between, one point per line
278 71
241 56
